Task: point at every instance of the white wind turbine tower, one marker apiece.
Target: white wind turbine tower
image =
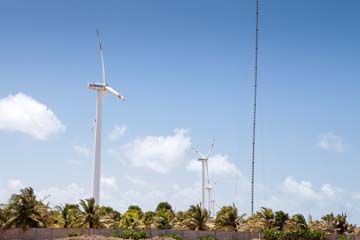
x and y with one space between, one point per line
213 207
102 89
210 189
204 159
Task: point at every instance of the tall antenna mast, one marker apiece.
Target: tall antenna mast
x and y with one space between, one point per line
254 116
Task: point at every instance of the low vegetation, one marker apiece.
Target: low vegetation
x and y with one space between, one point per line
173 236
74 234
131 234
208 238
24 210
306 234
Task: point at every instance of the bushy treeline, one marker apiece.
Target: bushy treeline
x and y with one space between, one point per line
25 210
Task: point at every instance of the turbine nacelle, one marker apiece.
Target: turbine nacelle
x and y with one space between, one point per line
97 86
105 88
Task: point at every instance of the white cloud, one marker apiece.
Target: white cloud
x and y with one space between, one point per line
301 196
15 184
328 190
158 153
22 113
138 181
296 196
356 195
117 132
304 190
81 150
331 142
70 194
218 165
186 195
109 183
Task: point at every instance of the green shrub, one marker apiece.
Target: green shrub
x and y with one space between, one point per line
272 234
131 234
208 238
74 234
343 237
173 235
317 234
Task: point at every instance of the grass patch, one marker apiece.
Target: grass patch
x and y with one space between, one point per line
173 235
131 234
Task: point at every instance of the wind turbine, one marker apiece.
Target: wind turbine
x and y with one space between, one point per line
203 159
213 207
209 187
102 89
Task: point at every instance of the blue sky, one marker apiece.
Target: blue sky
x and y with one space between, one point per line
186 69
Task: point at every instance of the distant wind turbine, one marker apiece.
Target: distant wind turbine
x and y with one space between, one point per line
102 89
213 207
209 187
204 159
210 190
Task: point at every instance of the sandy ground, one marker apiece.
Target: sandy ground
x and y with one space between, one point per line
95 237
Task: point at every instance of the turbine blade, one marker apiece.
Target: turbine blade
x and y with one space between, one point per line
198 152
211 148
115 93
102 59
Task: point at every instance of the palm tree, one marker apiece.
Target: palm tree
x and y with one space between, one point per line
45 213
135 208
263 219
109 216
69 214
327 224
341 225
132 218
252 224
267 217
322 226
25 210
163 219
328 218
197 218
296 222
110 213
333 224
4 214
148 219
228 219
164 206
164 215
280 219
90 213
179 222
